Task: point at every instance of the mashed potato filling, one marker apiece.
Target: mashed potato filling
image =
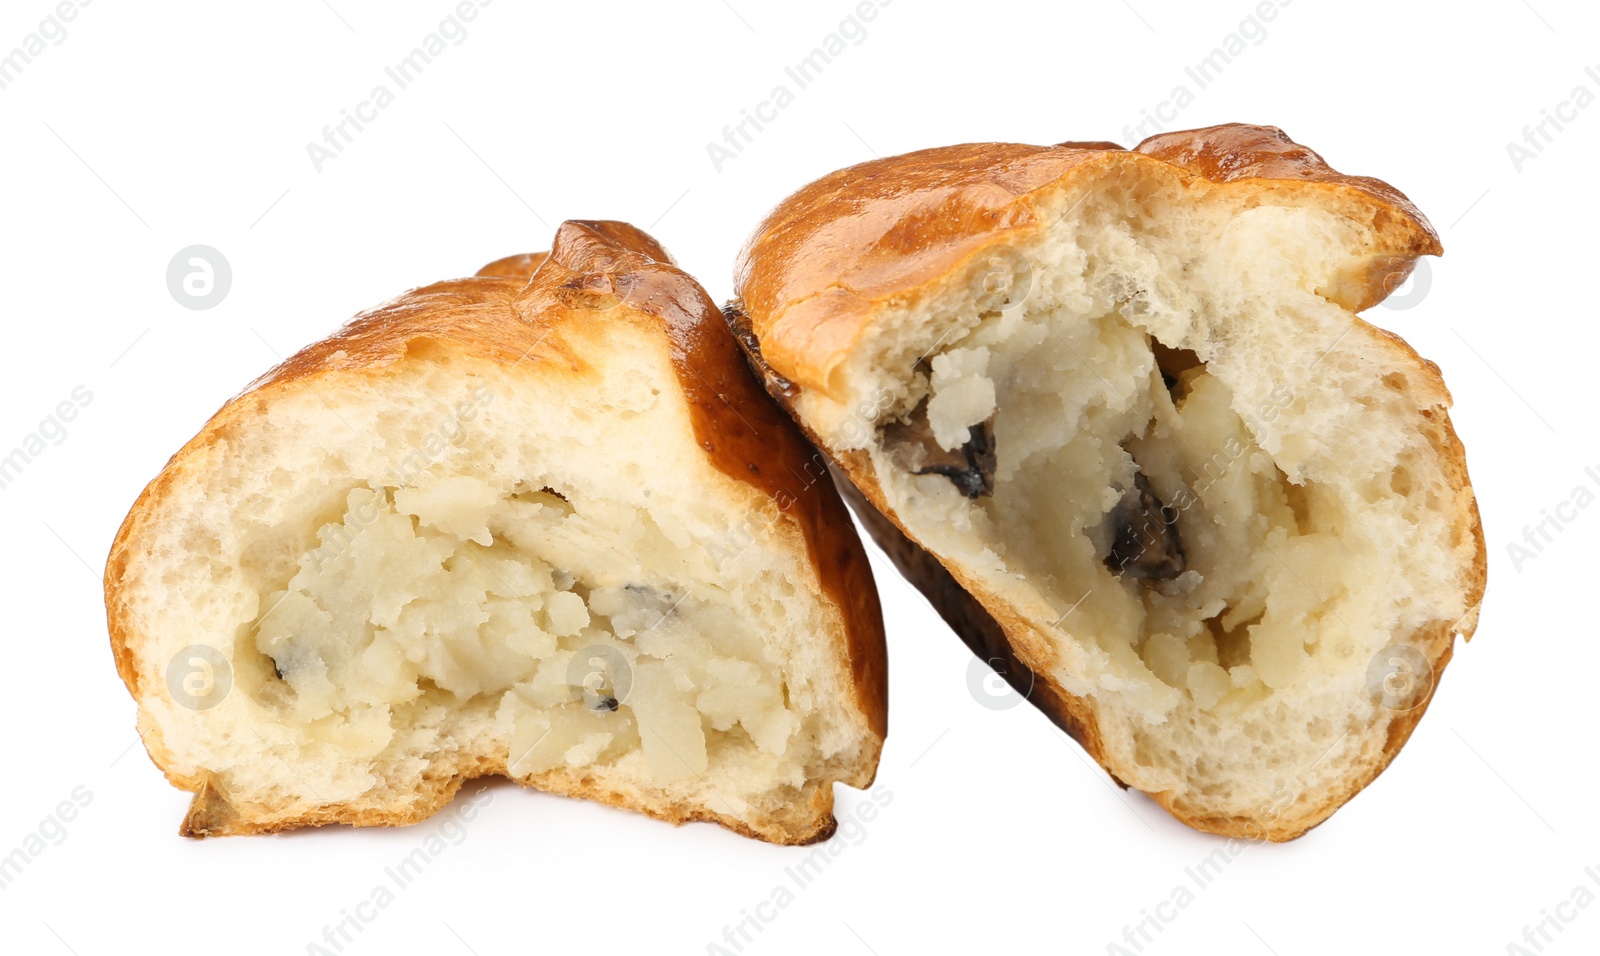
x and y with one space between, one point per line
460 595
1113 475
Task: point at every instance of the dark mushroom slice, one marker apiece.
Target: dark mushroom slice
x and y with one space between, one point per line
970 468
1145 544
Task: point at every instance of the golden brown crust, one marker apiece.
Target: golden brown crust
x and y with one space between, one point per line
814 273
1234 152
512 313
819 265
521 266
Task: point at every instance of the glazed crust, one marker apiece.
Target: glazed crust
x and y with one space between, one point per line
595 271
816 270
811 279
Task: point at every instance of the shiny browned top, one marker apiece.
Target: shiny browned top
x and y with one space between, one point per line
1234 152
822 262
600 272
519 266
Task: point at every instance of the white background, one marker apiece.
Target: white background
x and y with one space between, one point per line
153 127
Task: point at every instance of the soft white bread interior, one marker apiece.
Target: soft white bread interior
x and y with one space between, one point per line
1222 520
504 525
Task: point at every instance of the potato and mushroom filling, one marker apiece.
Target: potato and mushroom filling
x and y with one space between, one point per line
472 595
1113 476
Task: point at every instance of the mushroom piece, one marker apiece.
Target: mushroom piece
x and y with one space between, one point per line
970 468
1145 544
